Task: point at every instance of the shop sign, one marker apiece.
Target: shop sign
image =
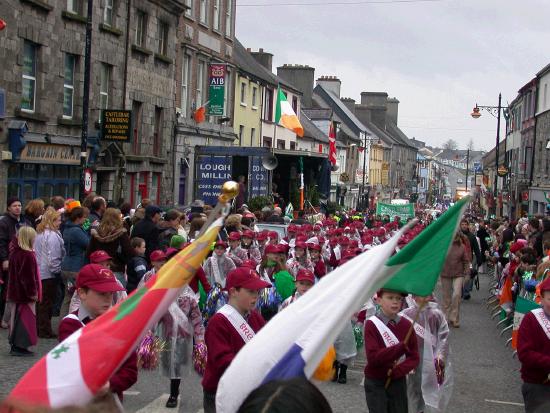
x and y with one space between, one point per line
211 172
404 211
50 154
87 181
116 125
216 92
258 178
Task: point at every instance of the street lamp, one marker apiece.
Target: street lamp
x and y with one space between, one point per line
495 111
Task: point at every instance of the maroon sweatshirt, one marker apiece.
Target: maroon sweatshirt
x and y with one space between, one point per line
380 358
200 276
124 378
223 343
533 351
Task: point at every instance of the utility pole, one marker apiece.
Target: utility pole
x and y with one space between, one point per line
86 98
467 167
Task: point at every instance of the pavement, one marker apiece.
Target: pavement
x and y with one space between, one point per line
486 376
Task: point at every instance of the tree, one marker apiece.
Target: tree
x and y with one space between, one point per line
471 145
450 144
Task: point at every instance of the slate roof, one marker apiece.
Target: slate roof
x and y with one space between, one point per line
398 134
310 130
246 63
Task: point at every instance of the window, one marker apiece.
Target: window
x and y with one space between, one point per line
155 188
295 104
293 146
203 11
280 144
267 142
157 132
28 94
200 83
162 38
108 12
75 6
137 108
227 90
104 86
185 76
254 97
68 86
228 18
141 28
216 20
243 93
268 106
252 136
189 8
545 93
241 133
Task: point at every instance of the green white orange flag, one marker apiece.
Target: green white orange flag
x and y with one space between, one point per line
285 115
523 306
416 268
75 370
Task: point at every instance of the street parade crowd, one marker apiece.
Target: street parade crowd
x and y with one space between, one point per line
75 260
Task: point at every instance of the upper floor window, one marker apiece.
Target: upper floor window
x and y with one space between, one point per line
216 19
229 17
185 79
226 90
268 106
203 11
28 95
75 6
201 76
104 87
163 29
243 93
108 12
68 86
254 97
189 8
141 28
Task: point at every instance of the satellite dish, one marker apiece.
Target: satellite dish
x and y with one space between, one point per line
270 162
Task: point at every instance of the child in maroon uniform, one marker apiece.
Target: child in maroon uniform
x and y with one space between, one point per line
231 328
95 286
534 354
388 356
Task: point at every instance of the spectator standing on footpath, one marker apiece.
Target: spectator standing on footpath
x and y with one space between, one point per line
148 229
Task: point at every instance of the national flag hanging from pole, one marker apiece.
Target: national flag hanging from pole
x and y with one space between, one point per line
285 115
332 144
294 341
200 114
77 368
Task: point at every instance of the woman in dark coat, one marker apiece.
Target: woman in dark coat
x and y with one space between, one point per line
24 291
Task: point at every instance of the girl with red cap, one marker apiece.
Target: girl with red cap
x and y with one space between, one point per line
235 251
300 259
320 269
247 244
218 265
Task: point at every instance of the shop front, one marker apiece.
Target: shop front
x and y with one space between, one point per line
43 170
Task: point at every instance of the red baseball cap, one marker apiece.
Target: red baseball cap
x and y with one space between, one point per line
305 275
246 278
249 264
262 236
273 235
98 278
545 285
271 249
234 236
300 244
220 243
313 246
158 255
248 234
170 252
99 256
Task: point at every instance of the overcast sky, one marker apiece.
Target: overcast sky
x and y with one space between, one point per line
437 57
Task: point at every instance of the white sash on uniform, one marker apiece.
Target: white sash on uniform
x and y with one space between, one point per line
238 322
543 321
389 338
420 330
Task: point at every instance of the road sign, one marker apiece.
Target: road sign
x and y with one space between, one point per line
87 181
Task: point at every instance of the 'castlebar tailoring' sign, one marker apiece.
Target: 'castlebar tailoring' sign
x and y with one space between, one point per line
116 125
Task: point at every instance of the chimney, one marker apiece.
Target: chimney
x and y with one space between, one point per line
301 77
331 83
374 99
263 58
393 108
349 103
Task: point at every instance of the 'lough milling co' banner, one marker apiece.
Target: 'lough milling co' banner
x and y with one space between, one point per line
404 211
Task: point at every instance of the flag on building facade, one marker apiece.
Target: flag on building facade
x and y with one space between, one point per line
332 144
294 342
289 211
77 368
285 115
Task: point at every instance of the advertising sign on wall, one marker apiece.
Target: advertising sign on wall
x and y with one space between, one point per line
211 172
216 82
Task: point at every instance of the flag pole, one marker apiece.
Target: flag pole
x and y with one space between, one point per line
301 183
406 340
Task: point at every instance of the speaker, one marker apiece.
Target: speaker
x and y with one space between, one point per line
270 162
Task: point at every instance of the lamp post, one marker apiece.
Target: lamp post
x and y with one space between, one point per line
495 111
86 99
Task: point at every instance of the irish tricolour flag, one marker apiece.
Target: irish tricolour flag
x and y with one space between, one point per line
75 370
285 116
294 342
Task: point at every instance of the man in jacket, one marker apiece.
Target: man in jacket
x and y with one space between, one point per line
148 229
475 256
483 236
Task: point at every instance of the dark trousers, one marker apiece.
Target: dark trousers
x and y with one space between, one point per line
390 400
45 307
209 402
536 397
